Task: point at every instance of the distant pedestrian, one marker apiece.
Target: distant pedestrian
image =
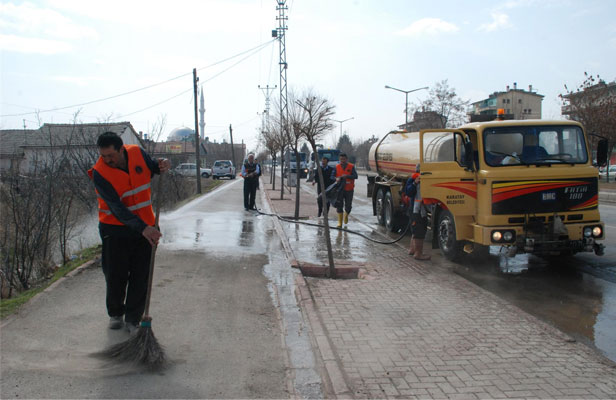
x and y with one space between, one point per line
420 221
346 175
329 177
251 170
122 177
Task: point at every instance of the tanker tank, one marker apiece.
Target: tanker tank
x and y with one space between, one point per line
397 154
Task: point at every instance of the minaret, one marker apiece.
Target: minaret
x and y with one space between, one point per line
202 115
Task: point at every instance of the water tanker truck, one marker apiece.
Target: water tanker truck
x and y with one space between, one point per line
528 186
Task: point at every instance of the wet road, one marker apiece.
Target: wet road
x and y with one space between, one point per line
223 306
577 295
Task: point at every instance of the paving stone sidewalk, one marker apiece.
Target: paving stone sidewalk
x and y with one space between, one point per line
412 329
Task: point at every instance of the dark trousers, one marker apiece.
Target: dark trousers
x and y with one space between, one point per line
419 226
250 191
126 265
345 201
320 201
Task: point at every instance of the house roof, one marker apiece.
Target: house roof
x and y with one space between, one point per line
497 94
13 141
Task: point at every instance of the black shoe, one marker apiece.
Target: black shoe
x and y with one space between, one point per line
116 323
319 215
131 327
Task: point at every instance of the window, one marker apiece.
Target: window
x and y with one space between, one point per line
519 101
534 145
443 147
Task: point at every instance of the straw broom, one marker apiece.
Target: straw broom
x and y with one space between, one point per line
142 348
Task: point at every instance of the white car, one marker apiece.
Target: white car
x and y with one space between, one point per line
603 174
189 169
223 168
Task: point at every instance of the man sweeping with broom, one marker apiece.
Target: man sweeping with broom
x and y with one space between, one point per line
122 178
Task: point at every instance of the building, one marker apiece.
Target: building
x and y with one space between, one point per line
591 96
181 134
423 120
184 151
26 150
517 103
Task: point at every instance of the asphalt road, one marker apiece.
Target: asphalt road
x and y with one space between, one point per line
220 306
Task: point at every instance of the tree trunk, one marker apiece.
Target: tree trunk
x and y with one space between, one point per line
323 200
273 180
298 162
282 173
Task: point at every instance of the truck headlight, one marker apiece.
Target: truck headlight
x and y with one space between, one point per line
597 231
508 236
497 236
587 231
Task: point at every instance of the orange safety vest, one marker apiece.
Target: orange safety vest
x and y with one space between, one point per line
350 183
132 187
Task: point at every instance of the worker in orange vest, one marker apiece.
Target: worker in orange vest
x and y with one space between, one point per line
122 177
345 173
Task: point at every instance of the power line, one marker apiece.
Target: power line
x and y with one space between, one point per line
258 49
136 90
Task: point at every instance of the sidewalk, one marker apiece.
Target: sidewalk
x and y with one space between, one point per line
414 329
607 196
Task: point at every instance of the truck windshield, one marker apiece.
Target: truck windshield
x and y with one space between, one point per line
536 145
332 155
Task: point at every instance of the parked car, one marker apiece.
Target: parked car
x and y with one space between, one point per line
189 169
603 172
223 168
206 172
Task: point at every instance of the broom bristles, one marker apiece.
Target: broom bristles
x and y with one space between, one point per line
141 349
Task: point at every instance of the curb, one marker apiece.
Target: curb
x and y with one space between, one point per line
332 375
607 197
49 288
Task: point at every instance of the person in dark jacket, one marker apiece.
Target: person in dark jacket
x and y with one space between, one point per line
122 177
329 177
419 222
251 171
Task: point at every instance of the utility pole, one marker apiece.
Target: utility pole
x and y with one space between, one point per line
232 149
267 91
280 33
197 155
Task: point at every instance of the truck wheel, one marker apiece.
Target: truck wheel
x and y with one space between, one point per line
380 204
388 211
446 236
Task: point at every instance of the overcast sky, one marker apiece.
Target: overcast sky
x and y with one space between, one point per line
60 53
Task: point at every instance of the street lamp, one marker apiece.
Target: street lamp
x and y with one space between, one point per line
406 108
340 122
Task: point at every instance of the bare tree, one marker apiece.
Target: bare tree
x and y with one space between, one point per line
297 119
316 123
155 134
268 138
280 134
593 104
444 101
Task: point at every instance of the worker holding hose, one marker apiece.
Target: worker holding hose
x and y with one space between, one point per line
346 175
122 177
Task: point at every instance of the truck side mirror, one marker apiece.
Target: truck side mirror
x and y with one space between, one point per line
468 156
602 148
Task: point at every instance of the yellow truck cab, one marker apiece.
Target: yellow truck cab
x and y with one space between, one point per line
527 185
